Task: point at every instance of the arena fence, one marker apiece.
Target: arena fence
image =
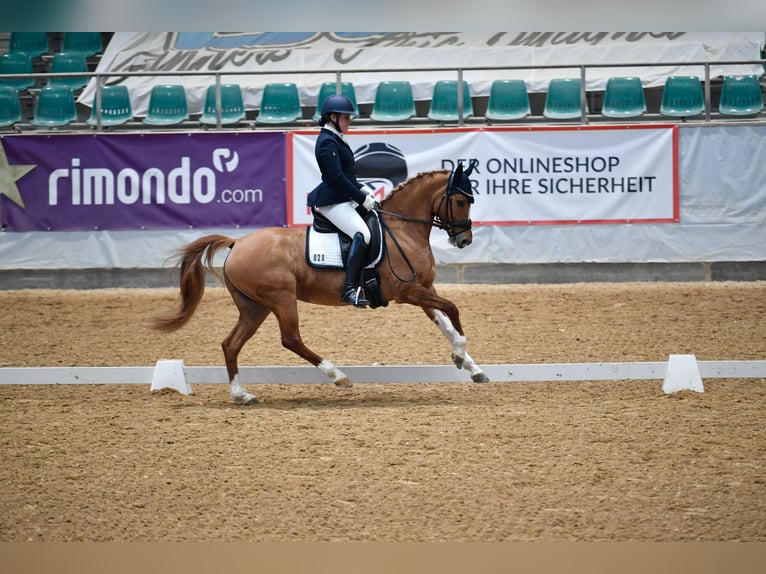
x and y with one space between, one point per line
679 372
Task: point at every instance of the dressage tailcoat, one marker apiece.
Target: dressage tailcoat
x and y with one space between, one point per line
336 163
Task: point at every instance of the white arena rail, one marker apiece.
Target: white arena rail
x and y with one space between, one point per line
381 374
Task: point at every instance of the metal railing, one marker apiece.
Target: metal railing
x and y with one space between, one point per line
459 72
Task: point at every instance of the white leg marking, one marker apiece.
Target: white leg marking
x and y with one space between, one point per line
338 377
238 393
458 342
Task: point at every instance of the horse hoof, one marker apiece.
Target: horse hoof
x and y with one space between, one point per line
246 399
458 360
344 383
480 378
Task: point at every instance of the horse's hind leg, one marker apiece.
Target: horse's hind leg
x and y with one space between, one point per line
460 356
286 313
251 316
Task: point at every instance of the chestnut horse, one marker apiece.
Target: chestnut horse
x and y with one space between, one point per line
266 272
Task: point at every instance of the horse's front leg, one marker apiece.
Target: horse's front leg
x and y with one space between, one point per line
460 356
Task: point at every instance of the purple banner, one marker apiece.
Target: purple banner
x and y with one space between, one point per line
142 181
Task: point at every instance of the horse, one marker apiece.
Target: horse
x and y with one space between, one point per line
267 271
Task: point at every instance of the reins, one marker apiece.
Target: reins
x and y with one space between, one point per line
434 222
399 247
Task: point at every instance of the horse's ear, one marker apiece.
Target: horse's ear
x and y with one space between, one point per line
471 164
456 176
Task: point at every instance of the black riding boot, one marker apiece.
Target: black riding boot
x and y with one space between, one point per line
356 254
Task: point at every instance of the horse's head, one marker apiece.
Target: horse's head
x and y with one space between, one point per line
454 210
446 205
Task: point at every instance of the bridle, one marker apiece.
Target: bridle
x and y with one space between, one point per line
452 227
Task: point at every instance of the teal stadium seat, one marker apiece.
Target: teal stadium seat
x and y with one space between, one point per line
624 98
167 106
33 43
444 104
66 63
393 102
16 63
330 88
508 101
55 107
280 104
86 43
116 108
10 107
741 96
682 97
232 106
563 100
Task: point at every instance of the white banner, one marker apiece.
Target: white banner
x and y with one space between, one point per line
308 59
523 176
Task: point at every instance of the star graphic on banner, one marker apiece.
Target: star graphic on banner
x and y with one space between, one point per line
9 175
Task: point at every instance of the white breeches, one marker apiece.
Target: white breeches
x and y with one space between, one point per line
345 218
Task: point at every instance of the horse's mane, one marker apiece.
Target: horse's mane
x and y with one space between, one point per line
413 179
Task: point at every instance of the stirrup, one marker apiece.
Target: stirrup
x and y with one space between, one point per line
354 297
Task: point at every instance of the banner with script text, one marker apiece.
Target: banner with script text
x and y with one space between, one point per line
142 181
523 176
309 59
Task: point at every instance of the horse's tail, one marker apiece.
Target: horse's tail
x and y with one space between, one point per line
193 259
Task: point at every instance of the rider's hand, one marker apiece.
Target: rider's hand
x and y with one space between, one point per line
369 202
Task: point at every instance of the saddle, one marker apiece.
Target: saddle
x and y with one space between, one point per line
327 248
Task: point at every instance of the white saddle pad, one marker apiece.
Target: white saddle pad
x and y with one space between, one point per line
323 250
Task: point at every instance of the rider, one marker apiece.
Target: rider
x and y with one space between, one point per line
339 193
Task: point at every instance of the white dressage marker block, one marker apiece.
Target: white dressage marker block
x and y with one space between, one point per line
170 375
683 374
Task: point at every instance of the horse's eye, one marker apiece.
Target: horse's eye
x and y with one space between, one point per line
461 202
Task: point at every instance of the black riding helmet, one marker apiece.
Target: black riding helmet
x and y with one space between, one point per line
336 104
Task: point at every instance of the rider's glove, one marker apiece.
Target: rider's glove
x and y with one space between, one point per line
369 202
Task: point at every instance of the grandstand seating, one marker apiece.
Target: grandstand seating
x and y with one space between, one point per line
444 101
624 98
67 63
167 106
741 96
563 100
330 88
280 104
508 100
682 97
232 106
10 107
116 108
55 107
393 102
33 43
16 63
85 43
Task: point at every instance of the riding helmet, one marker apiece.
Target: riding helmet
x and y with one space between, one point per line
336 104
